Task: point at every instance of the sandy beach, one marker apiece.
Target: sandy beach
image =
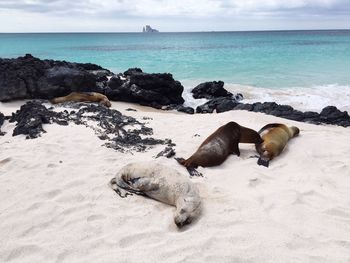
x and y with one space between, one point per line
56 205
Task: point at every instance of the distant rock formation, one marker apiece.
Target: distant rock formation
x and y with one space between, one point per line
149 29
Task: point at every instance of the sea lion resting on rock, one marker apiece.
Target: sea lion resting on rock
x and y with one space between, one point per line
161 183
83 96
275 136
218 146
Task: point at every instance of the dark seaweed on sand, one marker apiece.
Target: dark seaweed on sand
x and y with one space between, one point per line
120 132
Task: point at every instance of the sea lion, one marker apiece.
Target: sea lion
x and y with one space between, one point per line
219 145
161 183
275 136
83 96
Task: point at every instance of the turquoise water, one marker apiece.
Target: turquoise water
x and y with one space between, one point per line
276 59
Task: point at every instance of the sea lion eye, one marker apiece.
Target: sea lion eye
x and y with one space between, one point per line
182 211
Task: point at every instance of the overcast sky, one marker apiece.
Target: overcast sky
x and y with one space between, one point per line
171 15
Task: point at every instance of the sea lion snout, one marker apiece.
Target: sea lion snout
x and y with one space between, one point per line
182 218
106 102
295 131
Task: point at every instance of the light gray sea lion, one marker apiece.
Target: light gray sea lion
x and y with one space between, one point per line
161 183
275 136
83 97
219 145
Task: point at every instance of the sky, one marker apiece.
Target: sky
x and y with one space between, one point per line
171 15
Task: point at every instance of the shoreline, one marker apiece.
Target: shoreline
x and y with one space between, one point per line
313 98
31 78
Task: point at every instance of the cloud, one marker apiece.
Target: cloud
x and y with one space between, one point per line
173 15
184 8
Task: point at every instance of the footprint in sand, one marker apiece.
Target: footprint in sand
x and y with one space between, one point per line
52 194
23 251
149 238
95 217
5 161
338 212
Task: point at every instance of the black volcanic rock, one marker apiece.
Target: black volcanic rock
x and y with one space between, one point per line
2 119
180 108
210 90
332 115
155 90
32 78
184 109
220 104
329 115
132 71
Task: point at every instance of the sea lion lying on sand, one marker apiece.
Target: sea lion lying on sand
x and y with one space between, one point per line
275 136
161 183
218 146
82 97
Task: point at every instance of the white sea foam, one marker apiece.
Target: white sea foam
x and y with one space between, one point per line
313 98
305 99
189 100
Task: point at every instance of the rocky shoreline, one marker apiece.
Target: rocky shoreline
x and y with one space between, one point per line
32 78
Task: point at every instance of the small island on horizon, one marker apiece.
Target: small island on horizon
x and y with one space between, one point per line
149 29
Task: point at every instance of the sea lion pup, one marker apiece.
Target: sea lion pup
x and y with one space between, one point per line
218 146
161 183
82 97
275 136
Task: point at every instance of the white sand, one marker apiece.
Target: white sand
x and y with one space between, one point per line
56 205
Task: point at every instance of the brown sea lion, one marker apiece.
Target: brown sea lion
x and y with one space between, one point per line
83 96
275 136
218 146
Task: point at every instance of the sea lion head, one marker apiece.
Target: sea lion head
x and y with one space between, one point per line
295 131
106 102
187 212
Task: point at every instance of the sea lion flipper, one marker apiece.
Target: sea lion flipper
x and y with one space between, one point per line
180 160
193 172
235 149
119 190
143 184
263 162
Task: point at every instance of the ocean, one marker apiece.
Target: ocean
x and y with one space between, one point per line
306 69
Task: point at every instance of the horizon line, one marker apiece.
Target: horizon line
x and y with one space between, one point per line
160 32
